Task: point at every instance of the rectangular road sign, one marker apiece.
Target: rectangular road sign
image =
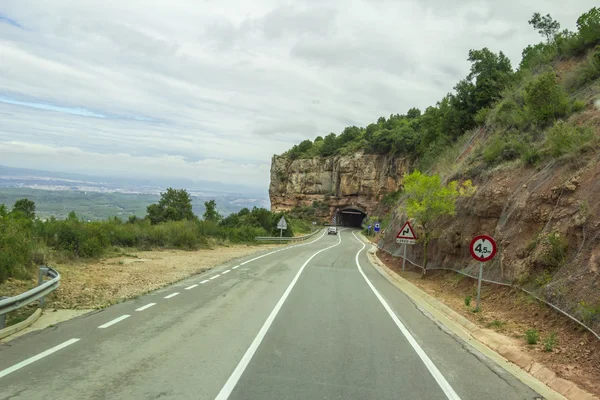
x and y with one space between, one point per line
405 241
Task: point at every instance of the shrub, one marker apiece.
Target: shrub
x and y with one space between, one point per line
586 73
503 149
510 113
532 156
555 253
468 300
391 198
550 342
532 336
577 106
545 99
564 138
588 313
17 247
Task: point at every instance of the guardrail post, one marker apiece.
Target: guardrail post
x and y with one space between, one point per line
2 316
43 272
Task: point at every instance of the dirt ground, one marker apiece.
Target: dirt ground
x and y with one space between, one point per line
575 355
97 284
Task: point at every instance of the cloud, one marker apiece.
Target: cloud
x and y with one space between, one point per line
210 90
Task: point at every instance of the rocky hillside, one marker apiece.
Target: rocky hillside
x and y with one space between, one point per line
359 180
545 219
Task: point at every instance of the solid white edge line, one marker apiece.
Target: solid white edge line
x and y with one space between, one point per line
114 321
437 375
37 357
145 307
204 281
214 277
171 295
239 370
225 272
191 287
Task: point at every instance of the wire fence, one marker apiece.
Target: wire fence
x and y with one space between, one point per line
571 289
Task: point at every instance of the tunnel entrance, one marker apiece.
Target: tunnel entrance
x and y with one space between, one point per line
351 217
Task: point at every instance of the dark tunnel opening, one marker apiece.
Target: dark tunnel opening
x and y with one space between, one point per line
351 217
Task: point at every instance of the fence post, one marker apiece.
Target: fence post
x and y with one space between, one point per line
42 272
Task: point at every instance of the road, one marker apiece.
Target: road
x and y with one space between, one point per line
310 321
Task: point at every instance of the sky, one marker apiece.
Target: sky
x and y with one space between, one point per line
209 90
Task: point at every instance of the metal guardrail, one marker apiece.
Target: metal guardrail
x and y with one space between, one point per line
286 239
8 304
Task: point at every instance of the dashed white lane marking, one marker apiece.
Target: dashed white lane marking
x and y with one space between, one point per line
225 272
35 358
239 370
145 307
191 287
204 281
214 277
114 321
171 295
437 375
237 266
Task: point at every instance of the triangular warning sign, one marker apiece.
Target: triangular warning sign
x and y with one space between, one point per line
406 232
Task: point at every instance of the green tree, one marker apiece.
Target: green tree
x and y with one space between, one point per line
428 199
25 207
211 213
545 25
589 26
491 73
413 113
174 205
305 146
329 145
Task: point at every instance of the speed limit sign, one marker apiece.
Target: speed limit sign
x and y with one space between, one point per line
483 248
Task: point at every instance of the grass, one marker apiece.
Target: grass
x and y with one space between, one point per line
532 336
496 324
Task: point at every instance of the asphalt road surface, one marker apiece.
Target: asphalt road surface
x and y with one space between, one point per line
310 321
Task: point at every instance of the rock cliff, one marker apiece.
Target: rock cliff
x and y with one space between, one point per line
358 180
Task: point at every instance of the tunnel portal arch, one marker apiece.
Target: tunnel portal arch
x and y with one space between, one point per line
351 216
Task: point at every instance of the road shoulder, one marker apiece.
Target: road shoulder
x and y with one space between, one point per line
491 344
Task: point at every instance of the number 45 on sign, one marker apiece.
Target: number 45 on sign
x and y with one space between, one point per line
483 248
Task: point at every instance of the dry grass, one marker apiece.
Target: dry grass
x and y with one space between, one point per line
97 284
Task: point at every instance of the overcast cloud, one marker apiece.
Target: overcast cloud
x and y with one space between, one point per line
211 89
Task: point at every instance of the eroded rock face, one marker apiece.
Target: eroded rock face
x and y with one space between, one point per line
359 180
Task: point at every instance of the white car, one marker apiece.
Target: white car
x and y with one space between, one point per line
332 230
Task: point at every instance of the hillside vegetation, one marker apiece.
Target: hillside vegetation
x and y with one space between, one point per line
527 109
27 241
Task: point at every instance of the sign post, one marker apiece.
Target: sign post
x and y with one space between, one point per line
369 230
483 248
406 236
281 225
